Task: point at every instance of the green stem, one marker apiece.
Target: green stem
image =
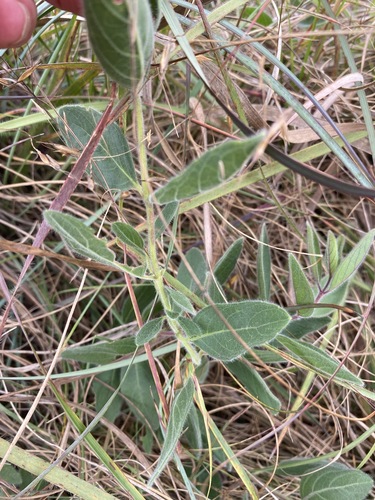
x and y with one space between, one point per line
156 271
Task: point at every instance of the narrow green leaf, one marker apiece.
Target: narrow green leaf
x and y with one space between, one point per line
297 328
315 257
254 384
264 265
112 163
318 360
101 353
226 264
148 331
156 12
79 237
131 238
209 170
302 289
197 262
352 261
140 391
194 432
222 271
104 390
255 322
180 303
338 297
168 213
122 36
179 413
331 256
336 482
268 357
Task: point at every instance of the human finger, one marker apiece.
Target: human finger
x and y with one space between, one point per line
75 6
17 22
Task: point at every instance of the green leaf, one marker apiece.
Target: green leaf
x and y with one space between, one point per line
130 236
255 322
302 289
223 269
209 170
297 328
197 262
180 303
194 432
338 297
331 255
168 213
101 353
156 12
254 384
145 295
79 237
148 331
264 265
268 357
103 390
336 482
140 392
226 264
352 261
179 413
11 475
319 361
315 256
261 18
122 36
112 164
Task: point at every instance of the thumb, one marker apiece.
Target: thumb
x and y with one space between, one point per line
17 22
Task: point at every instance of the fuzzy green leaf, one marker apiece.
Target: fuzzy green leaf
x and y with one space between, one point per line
338 297
254 384
148 331
264 265
352 261
112 163
319 361
131 238
180 303
336 482
223 269
168 213
209 170
103 387
331 255
101 353
315 256
228 261
255 322
297 328
122 36
79 237
302 289
179 413
197 262
140 391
